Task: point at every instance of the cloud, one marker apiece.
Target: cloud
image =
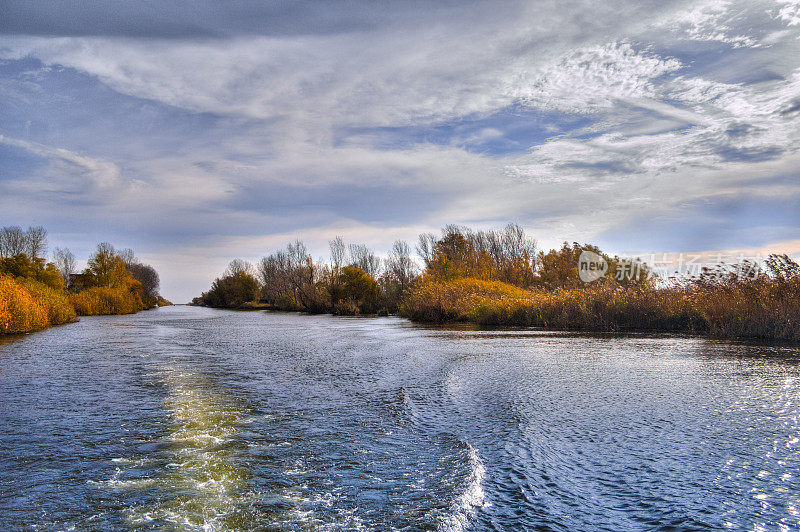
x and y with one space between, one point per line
233 126
708 21
789 12
594 78
81 172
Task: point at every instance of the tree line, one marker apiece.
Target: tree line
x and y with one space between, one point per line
500 277
35 293
355 280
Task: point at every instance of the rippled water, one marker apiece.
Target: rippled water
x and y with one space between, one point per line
190 418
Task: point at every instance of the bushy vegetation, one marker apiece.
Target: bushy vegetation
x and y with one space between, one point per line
605 306
355 281
765 304
35 294
101 300
19 311
31 295
501 278
54 301
722 302
233 291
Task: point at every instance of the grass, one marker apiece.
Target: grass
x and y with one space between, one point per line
764 307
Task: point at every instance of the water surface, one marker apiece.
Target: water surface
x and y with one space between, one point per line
197 419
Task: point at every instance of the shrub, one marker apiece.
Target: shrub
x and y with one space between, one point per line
232 291
102 300
19 310
54 302
766 305
604 306
358 294
21 266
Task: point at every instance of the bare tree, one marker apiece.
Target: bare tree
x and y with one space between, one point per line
238 267
338 254
106 248
65 262
400 264
273 271
127 256
297 254
12 241
289 272
425 247
365 259
36 241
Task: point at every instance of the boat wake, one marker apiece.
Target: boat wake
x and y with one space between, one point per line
203 483
472 498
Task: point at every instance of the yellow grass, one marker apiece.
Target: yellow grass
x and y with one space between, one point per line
762 308
27 305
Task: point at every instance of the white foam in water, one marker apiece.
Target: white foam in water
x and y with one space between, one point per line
206 477
472 498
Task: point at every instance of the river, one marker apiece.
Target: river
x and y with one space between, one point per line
196 419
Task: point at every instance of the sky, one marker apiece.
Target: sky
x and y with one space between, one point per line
199 132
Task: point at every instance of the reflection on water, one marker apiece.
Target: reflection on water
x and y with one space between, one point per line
194 419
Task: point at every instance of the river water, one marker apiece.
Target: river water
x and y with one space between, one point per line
197 419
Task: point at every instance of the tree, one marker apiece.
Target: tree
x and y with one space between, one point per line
400 265
559 268
237 266
273 271
425 245
24 267
359 292
506 255
65 262
147 276
36 241
364 259
127 256
232 291
290 279
13 241
456 255
338 254
105 268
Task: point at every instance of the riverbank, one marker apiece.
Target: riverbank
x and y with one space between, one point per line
767 308
27 305
497 278
35 294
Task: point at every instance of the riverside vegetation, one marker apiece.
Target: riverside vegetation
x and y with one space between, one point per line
496 278
35 294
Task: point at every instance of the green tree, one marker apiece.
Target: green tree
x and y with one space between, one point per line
232 291
359 292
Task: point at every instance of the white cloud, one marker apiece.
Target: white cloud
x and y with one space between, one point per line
708 21
594 78
69 166
672 112
789 12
